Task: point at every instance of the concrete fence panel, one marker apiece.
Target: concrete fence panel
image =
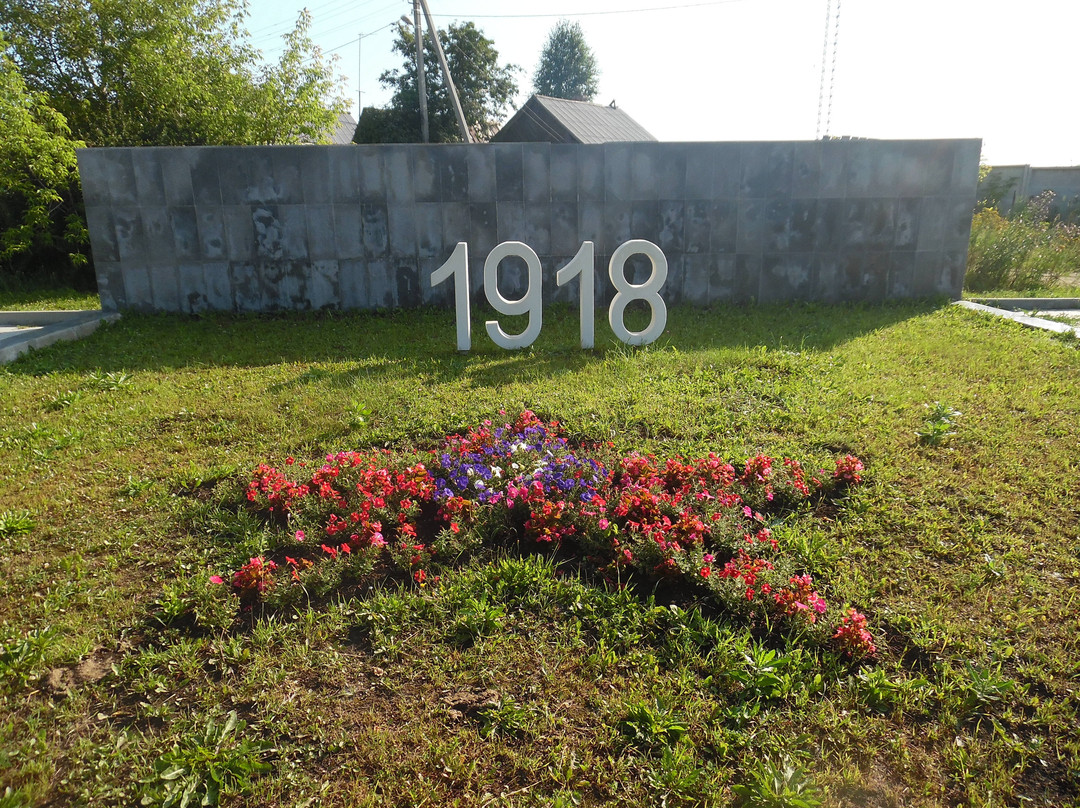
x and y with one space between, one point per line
267 228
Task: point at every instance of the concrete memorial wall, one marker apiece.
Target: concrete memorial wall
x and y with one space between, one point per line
305 227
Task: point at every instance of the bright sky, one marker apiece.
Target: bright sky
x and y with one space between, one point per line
751 69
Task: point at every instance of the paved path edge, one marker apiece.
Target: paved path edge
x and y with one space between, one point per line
1021 317
49 327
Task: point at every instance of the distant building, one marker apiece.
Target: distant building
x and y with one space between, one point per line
556 120
340 135
343 130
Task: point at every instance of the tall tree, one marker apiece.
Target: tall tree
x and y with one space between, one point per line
37 177
145 72
567 67
484 86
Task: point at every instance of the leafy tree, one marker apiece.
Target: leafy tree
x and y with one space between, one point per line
144 72
135 73
567 66
484 86
38 177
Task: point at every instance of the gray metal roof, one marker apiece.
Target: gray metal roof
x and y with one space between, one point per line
558 120
344 130
593 123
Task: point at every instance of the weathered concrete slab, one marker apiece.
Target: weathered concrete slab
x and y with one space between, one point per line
256 228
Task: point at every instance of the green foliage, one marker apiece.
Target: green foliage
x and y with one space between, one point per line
38 175
485 88
15 523
23 657
877 691
778 785
477 618
567 67
142 73
992 188
133 73
1022 252
652 728
938 424
766 674
207 605
14 798
985 688
198 770
506 717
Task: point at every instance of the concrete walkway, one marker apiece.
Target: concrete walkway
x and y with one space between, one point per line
1032 311
22 330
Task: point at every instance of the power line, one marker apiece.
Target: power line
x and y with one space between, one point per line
590 13
559 138
319 27
284 24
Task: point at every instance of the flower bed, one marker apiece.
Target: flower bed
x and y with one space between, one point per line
693 529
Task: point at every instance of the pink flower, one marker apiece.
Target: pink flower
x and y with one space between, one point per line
300 535
847 470
852 636
216 579
604 523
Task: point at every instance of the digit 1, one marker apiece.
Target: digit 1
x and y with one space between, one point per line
530 302
458 266
582 266
648 291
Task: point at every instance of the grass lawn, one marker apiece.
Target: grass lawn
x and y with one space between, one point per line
31 298
523 676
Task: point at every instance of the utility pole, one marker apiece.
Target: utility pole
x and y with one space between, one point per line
446 72
421 82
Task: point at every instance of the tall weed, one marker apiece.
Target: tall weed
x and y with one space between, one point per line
1026 250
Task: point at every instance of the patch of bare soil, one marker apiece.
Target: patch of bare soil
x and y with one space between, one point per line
61 681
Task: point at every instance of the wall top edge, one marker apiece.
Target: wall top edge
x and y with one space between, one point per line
1001 166
644 144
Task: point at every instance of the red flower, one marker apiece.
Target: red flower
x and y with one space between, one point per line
255 577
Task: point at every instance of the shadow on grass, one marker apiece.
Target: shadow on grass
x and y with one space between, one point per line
423 340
